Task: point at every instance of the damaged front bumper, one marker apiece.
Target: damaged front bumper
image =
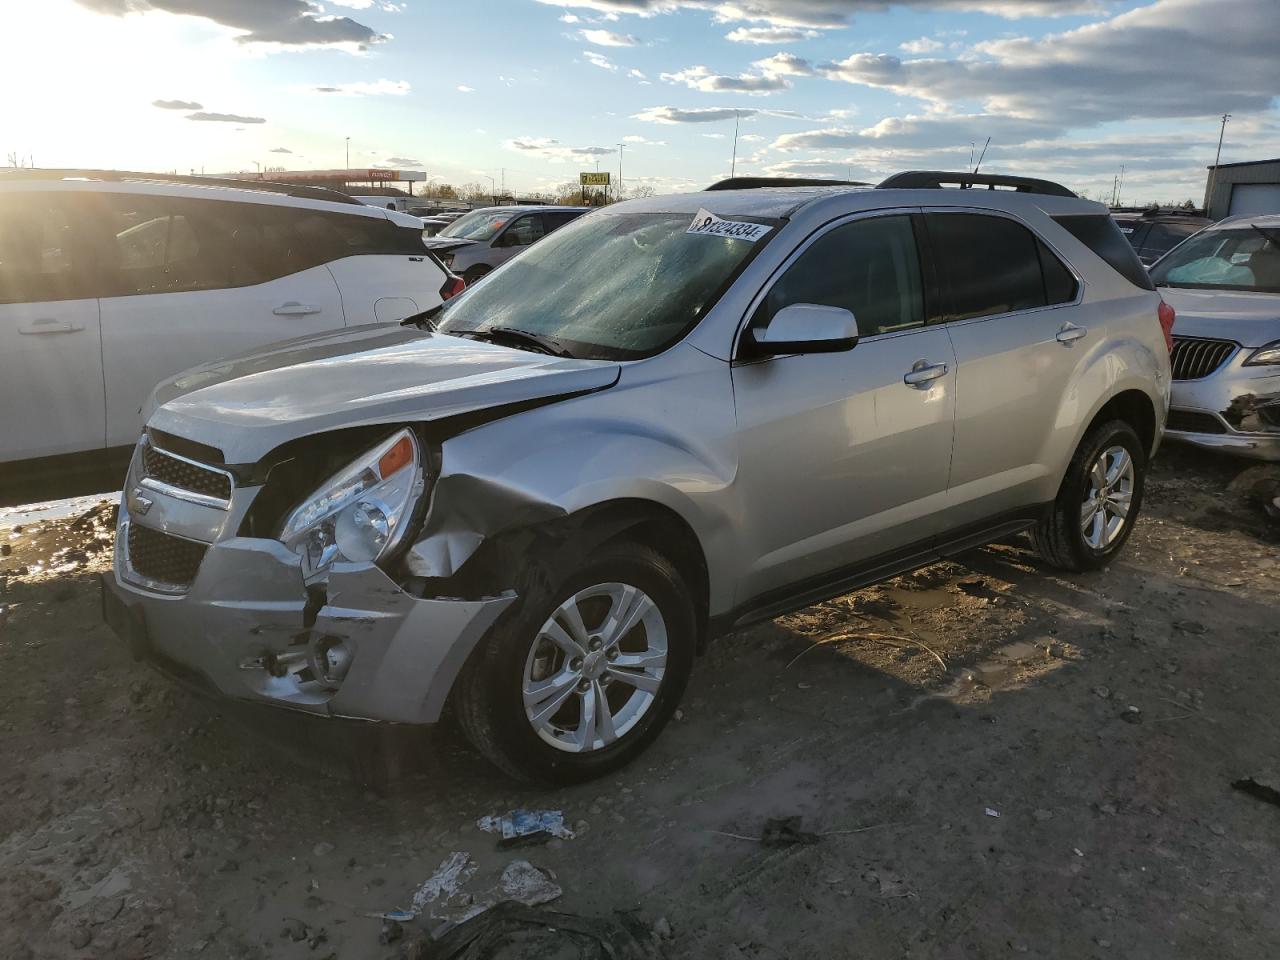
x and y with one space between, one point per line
1235 409
247 628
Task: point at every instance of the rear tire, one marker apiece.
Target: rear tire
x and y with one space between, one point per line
533 700
1098 502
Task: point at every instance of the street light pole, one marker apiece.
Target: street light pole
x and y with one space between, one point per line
619 191
348 167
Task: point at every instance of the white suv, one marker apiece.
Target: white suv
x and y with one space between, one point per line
111 282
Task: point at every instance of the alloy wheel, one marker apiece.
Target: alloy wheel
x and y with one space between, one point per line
1108 498
595 667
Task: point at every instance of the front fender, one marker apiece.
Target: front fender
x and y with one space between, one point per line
664 434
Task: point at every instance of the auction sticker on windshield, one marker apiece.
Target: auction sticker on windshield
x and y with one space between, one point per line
707 224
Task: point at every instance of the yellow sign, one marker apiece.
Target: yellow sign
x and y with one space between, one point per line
594 179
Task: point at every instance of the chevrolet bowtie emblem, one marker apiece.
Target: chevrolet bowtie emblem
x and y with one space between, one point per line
138 504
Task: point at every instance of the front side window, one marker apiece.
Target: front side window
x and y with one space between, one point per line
42 251
479 225
610 286
869 267
1234 258
526 230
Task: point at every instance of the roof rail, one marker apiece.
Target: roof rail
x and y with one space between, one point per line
935 179
755 183
117 176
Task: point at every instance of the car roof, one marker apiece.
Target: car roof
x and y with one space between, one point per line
246 191
784 202
530 207
1261 219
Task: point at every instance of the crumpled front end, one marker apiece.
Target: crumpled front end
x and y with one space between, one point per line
232 614
1221 403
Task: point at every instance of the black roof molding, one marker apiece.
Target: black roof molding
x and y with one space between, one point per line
756 183
120 176
938 179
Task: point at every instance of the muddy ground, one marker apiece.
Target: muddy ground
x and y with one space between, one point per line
962 741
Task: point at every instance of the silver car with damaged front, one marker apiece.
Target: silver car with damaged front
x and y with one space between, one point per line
1225 285
670 419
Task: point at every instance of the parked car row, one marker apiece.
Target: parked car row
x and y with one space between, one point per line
667 420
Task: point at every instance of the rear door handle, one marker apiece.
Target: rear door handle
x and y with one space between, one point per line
923 373
1070 332
48 325
295 309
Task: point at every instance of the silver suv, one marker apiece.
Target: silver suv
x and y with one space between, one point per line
672 418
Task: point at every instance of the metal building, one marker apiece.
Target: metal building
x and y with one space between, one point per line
1235 189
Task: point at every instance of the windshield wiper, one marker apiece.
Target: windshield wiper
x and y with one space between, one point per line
426 319
526 338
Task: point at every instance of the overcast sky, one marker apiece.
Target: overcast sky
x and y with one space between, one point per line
534 91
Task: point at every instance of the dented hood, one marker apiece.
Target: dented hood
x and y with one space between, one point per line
248 405
1250 319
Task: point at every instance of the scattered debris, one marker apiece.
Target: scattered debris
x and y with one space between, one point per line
454 871
1131 714
525 827
890 885
991 812
785 832
1258 790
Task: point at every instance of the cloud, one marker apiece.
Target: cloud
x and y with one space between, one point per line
930 131
715 136
826 14
644 141
785 64
696 115
367 88
922 45
599 60
702 79
286 22
636 74
177 105
404 162
1103 72
548 148
279 150
463 88
570 18
224 118
750 137
607 38
764 35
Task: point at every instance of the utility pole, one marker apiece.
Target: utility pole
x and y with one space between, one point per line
1217 158
972 146
733 167
619 190
348 166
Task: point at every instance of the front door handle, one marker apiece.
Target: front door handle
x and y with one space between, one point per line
47 325
295 309
1070 332
923 373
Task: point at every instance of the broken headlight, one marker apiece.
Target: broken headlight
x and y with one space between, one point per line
1268 355
360 513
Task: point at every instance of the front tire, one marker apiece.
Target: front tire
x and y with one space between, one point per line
1098 502
582 676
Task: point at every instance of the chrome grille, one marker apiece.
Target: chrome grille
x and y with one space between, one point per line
159 556
1197 357
184 474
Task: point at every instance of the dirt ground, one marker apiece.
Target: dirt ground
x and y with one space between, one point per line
998 761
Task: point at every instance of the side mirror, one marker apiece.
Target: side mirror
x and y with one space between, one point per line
807 328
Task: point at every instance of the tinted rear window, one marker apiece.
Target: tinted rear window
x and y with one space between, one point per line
1100 234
